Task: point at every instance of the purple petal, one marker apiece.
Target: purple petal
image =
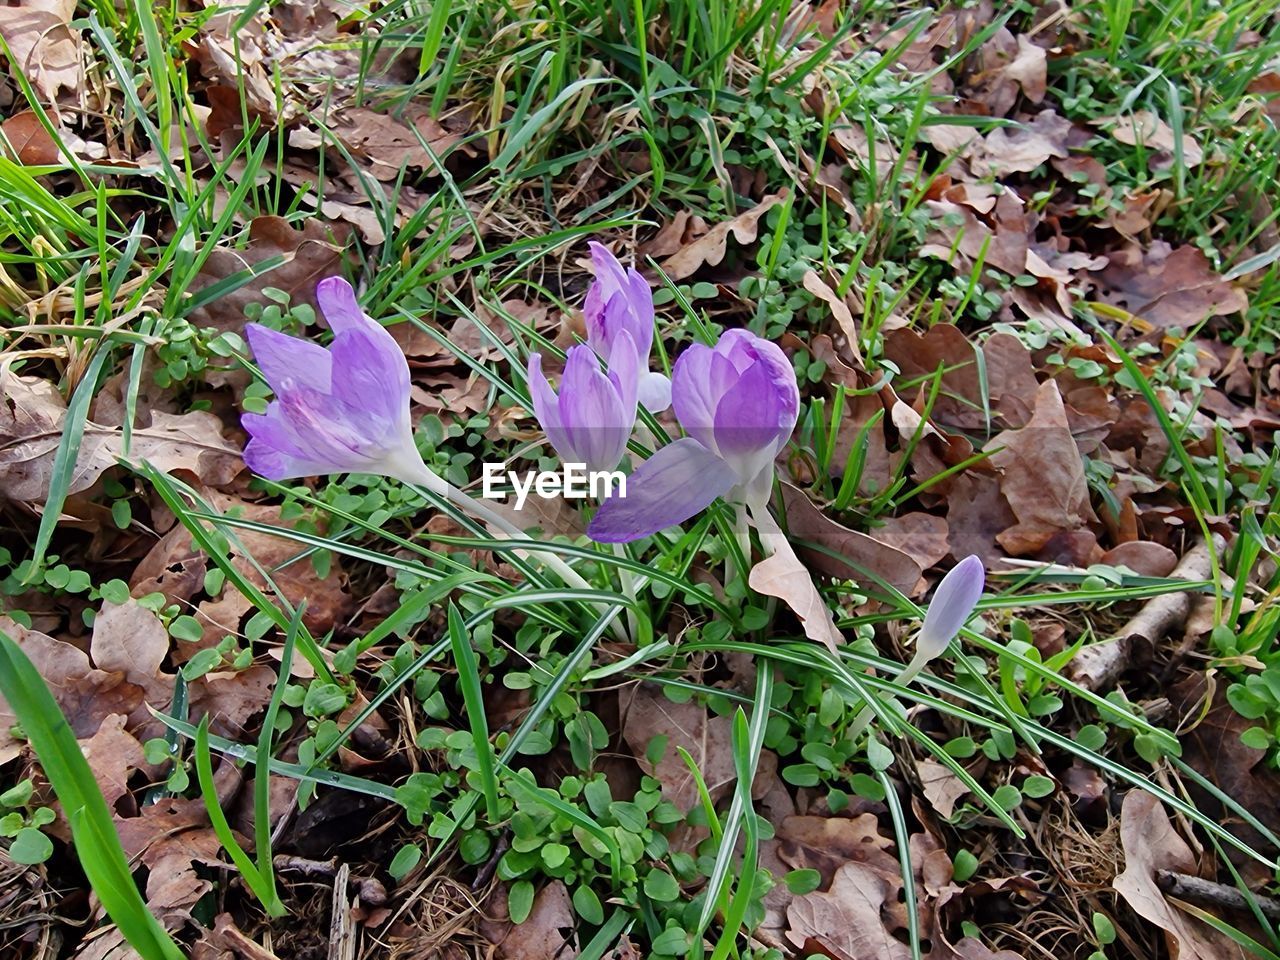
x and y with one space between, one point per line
610 274
592 411
546 407
277 464
675 483
752 421
624 371
371 378
286 360
695 407
951 606
339 305
654 392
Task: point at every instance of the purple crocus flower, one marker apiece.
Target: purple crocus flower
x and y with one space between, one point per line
738 403
344 409
952 604
619 301
591 418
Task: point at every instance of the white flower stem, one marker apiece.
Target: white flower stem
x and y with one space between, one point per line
904 677
628 589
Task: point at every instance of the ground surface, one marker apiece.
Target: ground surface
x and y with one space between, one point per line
1024 261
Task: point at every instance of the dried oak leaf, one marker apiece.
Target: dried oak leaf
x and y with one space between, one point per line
43 45
999 239
1150 843
1022 148
32 413
309 255
130 639
707 738
86 695
1042 476
544 934
710 248
113 754
388 143
1168 286
1007 64
941 787
783 575
862 554
827 843
846 920
171 838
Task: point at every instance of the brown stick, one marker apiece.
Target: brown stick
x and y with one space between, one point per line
1206 893
1098 666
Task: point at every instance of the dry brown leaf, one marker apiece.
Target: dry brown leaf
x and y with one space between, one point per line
977 513
1168 286
43 44
814 283
1000 239
941 787
130 639
387 142
707 738
847 918
1042 476
31 142
863 554
1021 149
827 843
310 255
1008 64
1150 843
710 248
113 754
1144 127
31 420
86 695
782 575
542 936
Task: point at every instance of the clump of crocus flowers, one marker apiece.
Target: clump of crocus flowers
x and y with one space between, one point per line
345 408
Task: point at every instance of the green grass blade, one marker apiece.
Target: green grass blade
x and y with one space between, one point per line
93 833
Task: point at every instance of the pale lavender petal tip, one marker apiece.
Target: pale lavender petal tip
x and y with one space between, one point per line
952 605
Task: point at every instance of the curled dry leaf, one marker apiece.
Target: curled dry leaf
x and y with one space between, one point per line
32 415
1150 843
710 248
43 44
864 558
1168 286
941 787
388 143
1042 476
782 575
827 843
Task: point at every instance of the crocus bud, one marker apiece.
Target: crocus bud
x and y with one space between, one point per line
951 607
341 409
738 402
591 418
619 301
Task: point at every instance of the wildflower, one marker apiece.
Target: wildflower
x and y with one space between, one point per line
344 409
591 418
619 301
949 610
738 403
